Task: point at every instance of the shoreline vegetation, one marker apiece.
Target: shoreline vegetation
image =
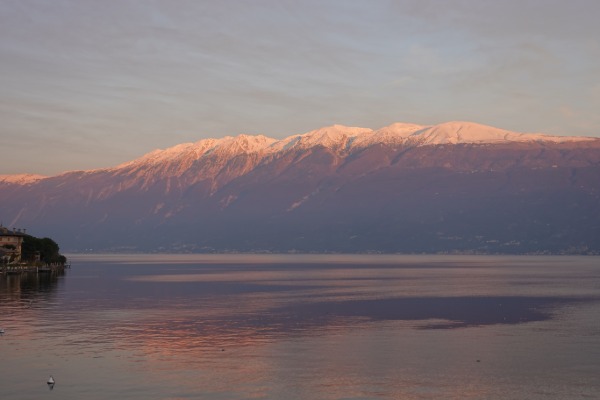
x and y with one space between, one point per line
39 255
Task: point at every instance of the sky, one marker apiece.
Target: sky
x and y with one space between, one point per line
90 84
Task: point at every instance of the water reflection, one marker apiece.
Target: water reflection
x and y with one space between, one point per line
170 309
230 330
27 287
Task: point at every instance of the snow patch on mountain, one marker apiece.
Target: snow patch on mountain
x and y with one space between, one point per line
298 203
241 144
457 132
226 201
227 146
393 134
333 137
21 179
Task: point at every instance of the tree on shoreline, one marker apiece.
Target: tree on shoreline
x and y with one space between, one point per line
46 248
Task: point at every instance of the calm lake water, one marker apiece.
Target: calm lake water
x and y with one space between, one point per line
304 327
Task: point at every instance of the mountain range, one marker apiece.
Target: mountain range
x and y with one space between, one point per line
457 187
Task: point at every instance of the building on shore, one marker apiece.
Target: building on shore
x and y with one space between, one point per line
11 242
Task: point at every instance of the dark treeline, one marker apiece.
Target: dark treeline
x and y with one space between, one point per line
45 250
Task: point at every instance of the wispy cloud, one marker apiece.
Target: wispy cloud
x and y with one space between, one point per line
122 78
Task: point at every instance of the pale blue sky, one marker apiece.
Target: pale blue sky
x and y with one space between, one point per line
87 84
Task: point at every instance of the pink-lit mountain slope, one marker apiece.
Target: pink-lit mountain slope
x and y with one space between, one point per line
404 188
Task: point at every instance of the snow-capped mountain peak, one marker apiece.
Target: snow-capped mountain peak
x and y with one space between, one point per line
21 179
459 132
393 134
456 186
462 132
340 137
332 137
333 134
177 160
226 146
241 144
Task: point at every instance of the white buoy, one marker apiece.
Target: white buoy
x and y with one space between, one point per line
51 380
1 331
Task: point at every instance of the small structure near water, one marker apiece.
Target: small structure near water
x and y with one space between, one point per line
11 244
15 269
20 253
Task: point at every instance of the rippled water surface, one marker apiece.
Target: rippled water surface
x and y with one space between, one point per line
303 327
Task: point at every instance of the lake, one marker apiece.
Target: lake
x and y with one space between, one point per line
303 327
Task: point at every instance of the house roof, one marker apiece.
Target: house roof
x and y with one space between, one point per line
4 231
